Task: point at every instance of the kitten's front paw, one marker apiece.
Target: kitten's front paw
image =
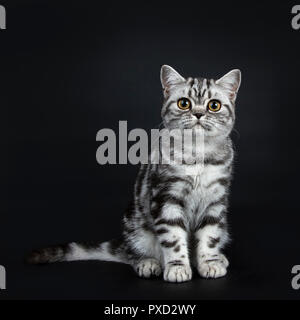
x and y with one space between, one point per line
177 273
213 266
148 267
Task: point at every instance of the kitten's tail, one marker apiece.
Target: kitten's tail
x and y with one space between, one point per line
112 250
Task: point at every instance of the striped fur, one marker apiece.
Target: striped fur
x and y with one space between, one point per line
174 220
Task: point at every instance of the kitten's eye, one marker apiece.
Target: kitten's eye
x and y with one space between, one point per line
214 105
184 103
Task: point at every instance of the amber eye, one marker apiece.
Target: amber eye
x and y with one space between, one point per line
214 105
184 103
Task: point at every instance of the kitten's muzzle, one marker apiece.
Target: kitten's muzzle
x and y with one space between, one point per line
198 115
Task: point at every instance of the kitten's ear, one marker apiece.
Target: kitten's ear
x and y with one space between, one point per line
231 81
169 77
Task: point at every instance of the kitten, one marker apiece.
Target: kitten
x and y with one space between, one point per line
178 214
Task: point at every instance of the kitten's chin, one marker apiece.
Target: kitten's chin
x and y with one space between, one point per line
198 126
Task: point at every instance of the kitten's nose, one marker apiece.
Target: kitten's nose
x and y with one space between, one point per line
198 115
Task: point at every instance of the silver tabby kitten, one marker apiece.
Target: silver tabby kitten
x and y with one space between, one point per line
178 214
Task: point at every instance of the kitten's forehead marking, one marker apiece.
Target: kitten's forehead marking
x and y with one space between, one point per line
199 89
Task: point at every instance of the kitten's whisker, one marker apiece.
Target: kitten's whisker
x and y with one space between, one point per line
238 134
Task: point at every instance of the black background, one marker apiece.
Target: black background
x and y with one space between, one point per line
70 68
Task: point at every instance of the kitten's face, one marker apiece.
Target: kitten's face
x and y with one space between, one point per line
198 103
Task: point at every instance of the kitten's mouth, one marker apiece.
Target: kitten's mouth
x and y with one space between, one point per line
199 125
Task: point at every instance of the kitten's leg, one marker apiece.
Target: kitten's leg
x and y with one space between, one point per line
147 267
142 255
172 236
140 250
143 265
211 237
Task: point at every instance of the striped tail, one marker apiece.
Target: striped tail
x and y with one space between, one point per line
107 251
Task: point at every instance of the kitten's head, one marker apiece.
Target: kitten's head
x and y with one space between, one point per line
203 104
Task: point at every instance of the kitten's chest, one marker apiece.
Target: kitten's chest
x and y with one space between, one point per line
202 192
202 176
